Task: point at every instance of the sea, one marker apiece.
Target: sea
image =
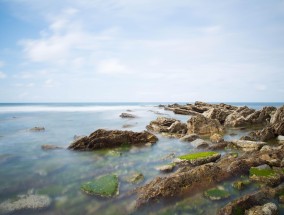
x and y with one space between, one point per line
27 169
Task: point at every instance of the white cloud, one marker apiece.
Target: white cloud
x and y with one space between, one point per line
2 75
112 66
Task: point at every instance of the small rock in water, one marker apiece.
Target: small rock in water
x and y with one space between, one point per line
127 126
127 115
240 185
24 202
166 168
50 147
199 143
190 137
37 129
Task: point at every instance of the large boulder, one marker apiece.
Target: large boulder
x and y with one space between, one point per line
112 138
203 126
168 126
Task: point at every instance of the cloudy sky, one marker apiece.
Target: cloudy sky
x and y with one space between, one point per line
142 50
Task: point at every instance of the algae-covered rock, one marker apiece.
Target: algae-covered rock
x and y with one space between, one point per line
266 176
25 202
200 158
105 186
216 194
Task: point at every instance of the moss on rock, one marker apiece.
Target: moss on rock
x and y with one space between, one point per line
198 155
216 194
105 186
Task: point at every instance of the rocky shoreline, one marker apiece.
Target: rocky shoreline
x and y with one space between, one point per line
258 156
206 169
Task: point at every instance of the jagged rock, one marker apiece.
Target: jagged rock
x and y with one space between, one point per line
219 114
247 145
189 137
277 121
216 138
265 134
25 202
203 126
266 209
112 138
127 115
50 147
238 117
36 129
168 126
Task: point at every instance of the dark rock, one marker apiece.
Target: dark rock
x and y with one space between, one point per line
112 138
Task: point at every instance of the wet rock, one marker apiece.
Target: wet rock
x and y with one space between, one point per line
50 147
189 137
135 178
240 205
25 202
216 138
127 115
199 158
216 194
247 145
166 168
168 126
36 129
203 126
266 209
112 138
105 186
199 144
204 176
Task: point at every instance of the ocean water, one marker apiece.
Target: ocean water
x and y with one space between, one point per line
26 168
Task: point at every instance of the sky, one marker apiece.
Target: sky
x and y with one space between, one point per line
141 51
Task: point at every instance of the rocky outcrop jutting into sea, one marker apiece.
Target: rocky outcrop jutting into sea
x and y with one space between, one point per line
112 138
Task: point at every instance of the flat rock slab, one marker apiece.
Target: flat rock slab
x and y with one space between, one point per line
112 138
247 145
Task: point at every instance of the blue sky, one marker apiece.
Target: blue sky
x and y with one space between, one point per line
142 50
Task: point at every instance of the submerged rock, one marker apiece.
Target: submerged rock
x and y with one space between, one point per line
112 138
127 115
203 126
200 158
135 178
37 129
217 194
25 202
199 144
189 137
50 147
105 186
240 184
168 126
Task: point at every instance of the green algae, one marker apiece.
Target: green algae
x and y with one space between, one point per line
262 172
195 156
106 186
216 194
241 184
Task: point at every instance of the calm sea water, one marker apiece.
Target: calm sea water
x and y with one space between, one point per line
25 167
